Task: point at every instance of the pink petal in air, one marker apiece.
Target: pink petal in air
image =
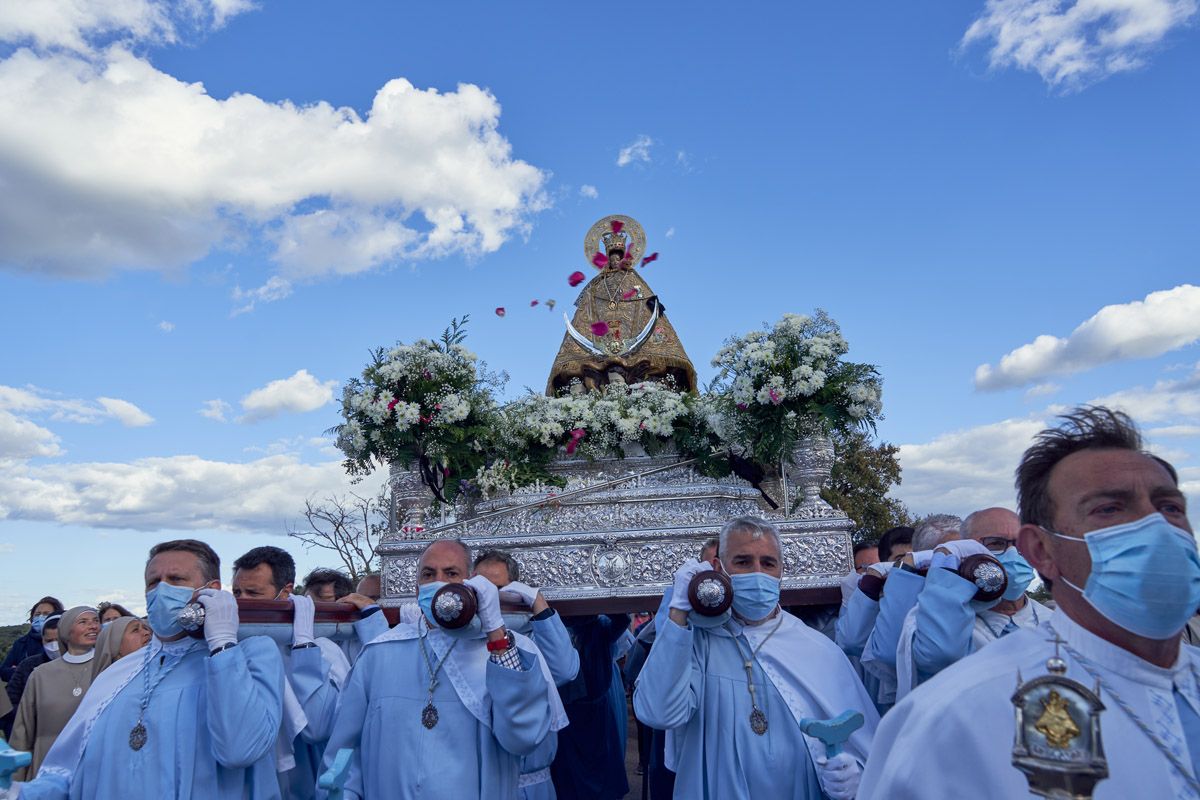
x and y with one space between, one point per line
600 260
533 303
617 225
500 311
627 295
649 258
576 278
600 328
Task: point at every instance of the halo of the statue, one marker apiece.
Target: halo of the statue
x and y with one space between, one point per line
632 228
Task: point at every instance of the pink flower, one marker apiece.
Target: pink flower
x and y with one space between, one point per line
617 225
629 294
600 328
775 398
500 311
600 260
576 435
427 375
576 278
533 303
392 404
742 406
649 258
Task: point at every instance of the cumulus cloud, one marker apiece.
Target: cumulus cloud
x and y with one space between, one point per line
589 191
166 327
175 492
109 163
215 410
636 151
671 232
1175 431
276 288
32 401
125 412
1176 401
298 394
1042 390
1163 321
22 439
1073 43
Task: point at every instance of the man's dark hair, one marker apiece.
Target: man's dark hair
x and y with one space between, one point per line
858 548
501 557
901 534
1085 428
47 600
283 567
120 609
210 563
323 575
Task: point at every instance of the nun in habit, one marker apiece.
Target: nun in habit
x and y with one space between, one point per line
122 636
56 688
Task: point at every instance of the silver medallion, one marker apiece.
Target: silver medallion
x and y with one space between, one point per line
429 715
76 692
758 721
137 737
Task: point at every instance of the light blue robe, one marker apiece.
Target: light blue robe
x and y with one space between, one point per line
212 725
552 638
694 683
397 758
310 675
853 628
945 620
879 654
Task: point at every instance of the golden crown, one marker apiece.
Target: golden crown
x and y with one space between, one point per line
615 242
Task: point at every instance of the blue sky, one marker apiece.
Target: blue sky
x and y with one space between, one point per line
221 208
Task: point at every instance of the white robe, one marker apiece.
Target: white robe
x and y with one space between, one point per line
932 638
952 738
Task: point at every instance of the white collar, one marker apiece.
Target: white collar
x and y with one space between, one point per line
1119 661
83 659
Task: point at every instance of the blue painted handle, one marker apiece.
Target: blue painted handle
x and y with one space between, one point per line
11 761
334 778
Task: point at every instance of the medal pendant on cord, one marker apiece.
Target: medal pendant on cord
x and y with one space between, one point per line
758 721
137 736
429 715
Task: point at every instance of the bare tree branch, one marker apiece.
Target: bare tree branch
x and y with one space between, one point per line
351 527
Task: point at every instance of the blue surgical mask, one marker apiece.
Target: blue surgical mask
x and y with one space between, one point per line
37 623
1145 576
51 649
104 625
163 605
1020 574
425 593
755 594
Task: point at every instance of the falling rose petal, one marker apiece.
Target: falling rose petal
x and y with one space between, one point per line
630 294
600 328
600 260
576 435
649 258
500 311
392 404
617 225
550 304
533 303
775 398
576 278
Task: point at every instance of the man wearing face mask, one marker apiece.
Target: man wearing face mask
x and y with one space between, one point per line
733 694
15 688
315 669
184 717
1105 525
947 623
542 624
30 643
434 712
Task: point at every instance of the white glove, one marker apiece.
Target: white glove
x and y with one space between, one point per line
220 617
839 776
527 593
683 578
955 552
921 558
881 569
488 598
304 613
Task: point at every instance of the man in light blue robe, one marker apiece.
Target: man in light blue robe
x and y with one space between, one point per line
184 717
732 743
897 597
545 627
432 713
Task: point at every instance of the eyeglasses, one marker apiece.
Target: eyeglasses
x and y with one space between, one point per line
997 544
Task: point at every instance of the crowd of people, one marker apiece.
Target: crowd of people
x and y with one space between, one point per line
524 703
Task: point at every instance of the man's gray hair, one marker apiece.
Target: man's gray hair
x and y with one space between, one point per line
465 548
501 557
754 527
933 529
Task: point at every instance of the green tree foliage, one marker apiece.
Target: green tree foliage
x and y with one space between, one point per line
862 475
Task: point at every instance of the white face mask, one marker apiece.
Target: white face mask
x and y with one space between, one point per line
51 648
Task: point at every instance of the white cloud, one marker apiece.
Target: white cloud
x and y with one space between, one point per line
965 470
1175 431
276 288
1042 390
671 232
215 410
1163 321
638 150
587 190
298 394
176 492
166 327
1073 44
1172 401
22 439
110 164
125 412
39 402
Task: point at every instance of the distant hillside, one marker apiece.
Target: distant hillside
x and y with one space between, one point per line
8 635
